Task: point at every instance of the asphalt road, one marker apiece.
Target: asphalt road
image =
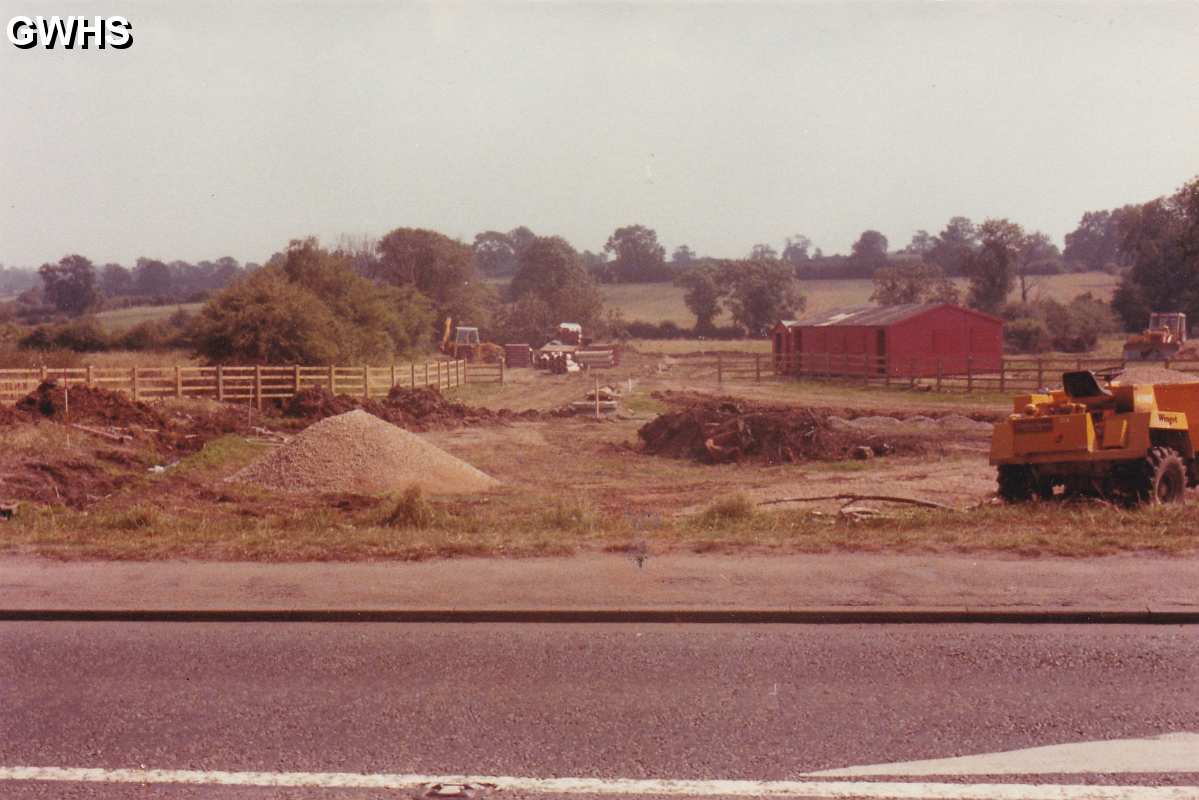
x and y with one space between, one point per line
607 701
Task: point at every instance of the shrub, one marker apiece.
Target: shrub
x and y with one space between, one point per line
1026 335
412 510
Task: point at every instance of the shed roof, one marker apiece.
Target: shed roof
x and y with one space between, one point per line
873 315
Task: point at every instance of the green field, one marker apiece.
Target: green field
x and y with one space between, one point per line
654 302
122 319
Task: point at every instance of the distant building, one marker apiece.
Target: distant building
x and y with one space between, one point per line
917 339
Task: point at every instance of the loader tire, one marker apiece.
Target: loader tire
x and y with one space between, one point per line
1163 477
1017 483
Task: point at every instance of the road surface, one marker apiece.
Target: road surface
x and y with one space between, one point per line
608 703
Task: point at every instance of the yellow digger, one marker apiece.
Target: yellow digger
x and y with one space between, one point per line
1161 341
463 342
1135 442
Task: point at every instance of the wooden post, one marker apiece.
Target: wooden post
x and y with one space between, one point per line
178 382
426 374
366 382
886 370
258 386
1002 374
969 374
1040 374
132 382
45 373
295 378
91 377
719 368
220 383
597 396
501 373
393 374
940 372
332 380
757 367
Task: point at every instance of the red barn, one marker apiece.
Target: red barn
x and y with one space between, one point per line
917 339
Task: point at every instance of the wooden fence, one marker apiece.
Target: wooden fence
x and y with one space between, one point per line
992 374
239 384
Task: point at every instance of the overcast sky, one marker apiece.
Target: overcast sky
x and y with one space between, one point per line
230 128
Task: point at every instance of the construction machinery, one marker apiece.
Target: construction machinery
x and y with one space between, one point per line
463 342
1161 341
1134 442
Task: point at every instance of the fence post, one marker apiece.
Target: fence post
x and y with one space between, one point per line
393 374
366 382
719 368
178 382
1040 374
969 374
426 374
940 371
1002 374
295 378
332 380
501 373
45 373
220 383
412 377
757 367
886 369
132 382
91 380
258 386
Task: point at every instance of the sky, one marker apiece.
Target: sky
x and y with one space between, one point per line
231 128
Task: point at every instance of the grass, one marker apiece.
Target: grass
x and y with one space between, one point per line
654 302
122 319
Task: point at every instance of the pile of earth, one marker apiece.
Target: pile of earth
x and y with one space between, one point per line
721 430
422 409
359 453
173 429
1152 373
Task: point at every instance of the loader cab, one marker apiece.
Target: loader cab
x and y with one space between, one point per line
1173 324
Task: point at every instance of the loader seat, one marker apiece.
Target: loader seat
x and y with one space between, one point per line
1079 385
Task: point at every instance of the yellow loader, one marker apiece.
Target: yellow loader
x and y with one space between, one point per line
1132 442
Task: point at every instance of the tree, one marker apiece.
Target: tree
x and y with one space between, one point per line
795 249
70 285
1095 243
992 269
921 245
151 278
637 256
439 267
1038 255
310 307
761 293
913 283
869 252
550 271
705 288
115 280
763 252
495 254
1161 240
952 249
682 256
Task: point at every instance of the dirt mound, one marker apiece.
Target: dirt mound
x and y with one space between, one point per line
1151 373
88 404
685 399
359 453
723 430
414 409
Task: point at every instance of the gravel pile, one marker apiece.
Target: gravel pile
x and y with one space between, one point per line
359 453
1148 373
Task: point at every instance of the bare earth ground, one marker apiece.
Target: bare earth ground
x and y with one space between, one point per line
569 484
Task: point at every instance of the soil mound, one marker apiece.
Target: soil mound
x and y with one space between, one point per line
357 452
422 409
88 404
720 430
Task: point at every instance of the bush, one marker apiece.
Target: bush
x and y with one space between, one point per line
1074 327
412 510
81 336
1026 335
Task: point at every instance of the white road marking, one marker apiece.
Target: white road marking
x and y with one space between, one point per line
617 786
1171 752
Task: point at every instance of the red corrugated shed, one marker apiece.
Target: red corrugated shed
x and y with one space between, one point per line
916 339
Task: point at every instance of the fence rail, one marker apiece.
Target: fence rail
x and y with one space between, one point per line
241 384
956 373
